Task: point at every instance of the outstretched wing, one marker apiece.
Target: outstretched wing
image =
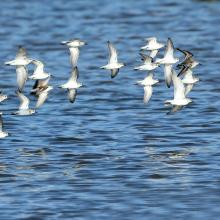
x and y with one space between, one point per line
153 53
186 53
168 74
39 66
41 99
188 88
22 74
147 93
113 57
179 89
74 74
74 55
169 49
184 69
114 72
24 101
72 95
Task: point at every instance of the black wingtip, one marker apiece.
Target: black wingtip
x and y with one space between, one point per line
113 75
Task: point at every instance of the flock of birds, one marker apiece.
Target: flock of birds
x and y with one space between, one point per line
182 82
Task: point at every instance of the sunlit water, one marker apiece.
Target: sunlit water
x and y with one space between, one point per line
108 155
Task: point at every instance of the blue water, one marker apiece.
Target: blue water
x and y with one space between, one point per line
108 155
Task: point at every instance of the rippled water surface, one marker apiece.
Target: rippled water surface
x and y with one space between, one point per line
108 155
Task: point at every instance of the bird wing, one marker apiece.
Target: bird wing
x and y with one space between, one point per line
114 72
39 66
153 53
183 70
24 101
168 74
41 99
169 49
113 57
188 88
147 93
72 95
74 76
179 89
146 58
186 53
22 74
74 55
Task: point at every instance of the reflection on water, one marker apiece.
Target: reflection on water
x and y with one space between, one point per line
109 155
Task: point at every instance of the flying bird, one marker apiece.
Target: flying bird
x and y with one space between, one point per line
169 54
21 61
153 46
24 105
147 83
72 85
180 99
113 63
39 72
3 134
188 63
148 63
74 46
168 60
21 58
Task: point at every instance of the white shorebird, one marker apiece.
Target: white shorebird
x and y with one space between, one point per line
147 83
113 63
148 63
3 134
2 96
180 99
39 85
39 72
72 85
168 60
74 46
169 54
21 61
24 105
42 96
189 80
153 46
